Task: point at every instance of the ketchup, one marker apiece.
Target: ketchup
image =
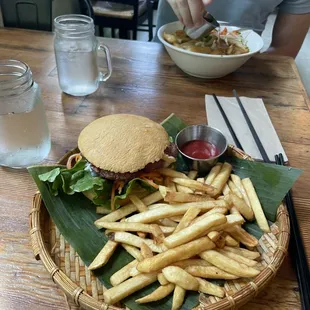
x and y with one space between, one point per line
199 149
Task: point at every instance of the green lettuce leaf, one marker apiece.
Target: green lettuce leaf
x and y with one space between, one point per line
50 176
81 179
132 185
78 179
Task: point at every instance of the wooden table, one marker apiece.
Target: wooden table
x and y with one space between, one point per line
145 82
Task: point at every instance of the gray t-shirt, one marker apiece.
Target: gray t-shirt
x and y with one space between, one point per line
243 13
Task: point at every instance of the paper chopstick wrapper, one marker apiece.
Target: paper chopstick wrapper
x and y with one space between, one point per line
259 117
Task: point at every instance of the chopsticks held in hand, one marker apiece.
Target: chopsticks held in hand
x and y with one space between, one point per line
297 249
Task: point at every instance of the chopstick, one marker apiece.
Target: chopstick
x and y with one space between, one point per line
297 249
231 130
252 129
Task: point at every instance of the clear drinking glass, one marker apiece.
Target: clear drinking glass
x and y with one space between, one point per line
76 55
24 134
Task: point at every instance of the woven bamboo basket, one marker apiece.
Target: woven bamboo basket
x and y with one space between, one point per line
84 291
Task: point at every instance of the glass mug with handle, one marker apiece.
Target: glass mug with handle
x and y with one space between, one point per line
76 50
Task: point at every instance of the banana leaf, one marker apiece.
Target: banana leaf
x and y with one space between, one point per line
74 215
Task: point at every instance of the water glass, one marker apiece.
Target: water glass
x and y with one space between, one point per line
76 50
24 134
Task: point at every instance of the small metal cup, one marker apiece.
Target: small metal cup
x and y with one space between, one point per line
205 133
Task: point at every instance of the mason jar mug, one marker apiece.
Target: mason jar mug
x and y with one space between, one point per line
76 50
24 134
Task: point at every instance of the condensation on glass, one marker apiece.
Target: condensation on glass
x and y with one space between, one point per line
76 50
24 134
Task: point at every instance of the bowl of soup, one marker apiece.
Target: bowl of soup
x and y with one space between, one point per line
212 56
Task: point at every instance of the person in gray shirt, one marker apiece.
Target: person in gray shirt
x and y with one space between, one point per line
291 25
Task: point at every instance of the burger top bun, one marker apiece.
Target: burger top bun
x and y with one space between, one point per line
123 142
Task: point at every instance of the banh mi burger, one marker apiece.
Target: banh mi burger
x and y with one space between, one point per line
118 156
124 146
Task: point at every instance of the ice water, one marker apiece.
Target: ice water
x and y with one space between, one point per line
77 72
24 136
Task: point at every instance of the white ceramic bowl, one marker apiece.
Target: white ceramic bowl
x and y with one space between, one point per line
205 65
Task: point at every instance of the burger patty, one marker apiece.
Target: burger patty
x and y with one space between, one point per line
171 150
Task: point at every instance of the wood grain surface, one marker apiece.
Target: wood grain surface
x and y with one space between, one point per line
145 81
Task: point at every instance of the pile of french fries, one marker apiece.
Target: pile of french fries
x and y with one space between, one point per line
184 234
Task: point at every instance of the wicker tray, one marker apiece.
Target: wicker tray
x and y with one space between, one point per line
85 291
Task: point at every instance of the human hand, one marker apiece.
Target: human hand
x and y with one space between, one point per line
189 12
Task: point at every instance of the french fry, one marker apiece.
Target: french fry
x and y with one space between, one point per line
157 248
104 255
229 265
189 233
256 206
234 189
214 236
191 262
228 199
153 229
167 223
130 208
212 211
232 221
180 277
221 179
200 180
241 235
161 279
122 274
133 251
177 209
237 181
171 173
183 189
239 258
209 272
169 184
213 173
142 234
175 197
192 174
190 215
141 207
178 297
160 293
242 207
226 190
146 251
210 288
177 218
244 252
220 243
171 256
134 271
195 185
230 241
102 210
124 237
128 287
167 229
234 210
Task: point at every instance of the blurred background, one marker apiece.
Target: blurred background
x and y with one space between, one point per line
126 19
